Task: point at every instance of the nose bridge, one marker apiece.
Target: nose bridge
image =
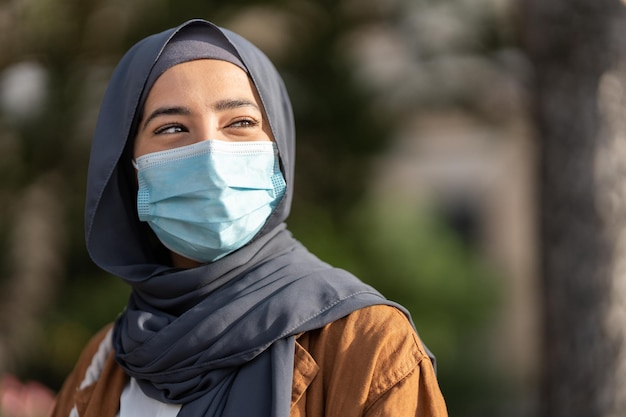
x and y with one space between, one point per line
209 127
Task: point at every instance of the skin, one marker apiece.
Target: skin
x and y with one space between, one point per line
200 100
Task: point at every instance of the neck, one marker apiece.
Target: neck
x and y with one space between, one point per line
180 261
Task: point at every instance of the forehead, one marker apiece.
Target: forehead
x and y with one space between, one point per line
201 79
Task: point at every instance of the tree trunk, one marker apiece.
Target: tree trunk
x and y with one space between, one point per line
578 52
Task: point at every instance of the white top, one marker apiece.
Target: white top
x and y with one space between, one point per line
134 403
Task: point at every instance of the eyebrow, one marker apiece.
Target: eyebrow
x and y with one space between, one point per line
167 111
221 105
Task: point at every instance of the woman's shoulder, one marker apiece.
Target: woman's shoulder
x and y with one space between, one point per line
376 327
362 357
99 342
97 346
380 338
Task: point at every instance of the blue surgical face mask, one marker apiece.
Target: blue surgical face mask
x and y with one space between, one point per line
208 199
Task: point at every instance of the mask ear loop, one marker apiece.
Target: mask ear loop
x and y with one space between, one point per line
134 162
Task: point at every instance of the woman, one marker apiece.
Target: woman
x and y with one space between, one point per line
190 181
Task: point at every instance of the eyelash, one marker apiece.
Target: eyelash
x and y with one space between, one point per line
162 130
245 123
249 122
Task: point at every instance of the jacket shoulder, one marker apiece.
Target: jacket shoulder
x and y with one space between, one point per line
361 359
65 399
382 340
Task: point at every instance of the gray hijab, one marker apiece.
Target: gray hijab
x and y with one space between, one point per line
218 339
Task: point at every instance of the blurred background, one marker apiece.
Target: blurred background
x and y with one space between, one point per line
463 156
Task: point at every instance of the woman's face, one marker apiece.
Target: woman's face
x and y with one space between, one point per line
200 100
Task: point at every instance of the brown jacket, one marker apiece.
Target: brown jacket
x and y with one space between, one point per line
370 363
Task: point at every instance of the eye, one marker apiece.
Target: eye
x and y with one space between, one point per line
244 123
170 129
